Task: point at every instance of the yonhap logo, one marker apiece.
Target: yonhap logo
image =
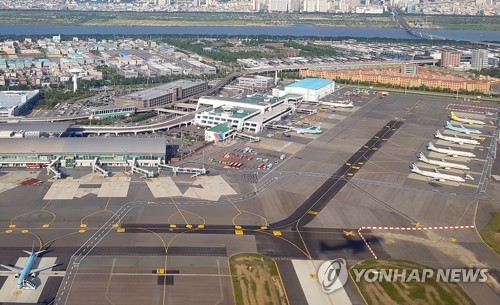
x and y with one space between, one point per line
332 275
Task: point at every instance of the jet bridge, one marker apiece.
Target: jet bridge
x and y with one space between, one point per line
96 168
184 170
144 172
278 127
52 169
306 111
247 137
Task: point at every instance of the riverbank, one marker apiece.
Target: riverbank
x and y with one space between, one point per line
84 18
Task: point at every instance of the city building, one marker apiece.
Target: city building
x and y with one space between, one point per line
256 81
15 103
479 59
450 59
162 95
71 152
312 89
408 69
248 114
430 78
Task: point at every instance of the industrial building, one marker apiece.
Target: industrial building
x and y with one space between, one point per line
71 152
15 103
248 114
256 81
312 89
162 95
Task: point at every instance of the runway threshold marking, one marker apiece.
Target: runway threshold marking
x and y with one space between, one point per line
430 228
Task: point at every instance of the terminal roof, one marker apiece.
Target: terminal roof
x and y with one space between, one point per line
92 145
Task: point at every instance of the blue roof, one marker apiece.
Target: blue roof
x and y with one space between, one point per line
311 83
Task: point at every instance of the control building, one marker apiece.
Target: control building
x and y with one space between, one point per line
162 95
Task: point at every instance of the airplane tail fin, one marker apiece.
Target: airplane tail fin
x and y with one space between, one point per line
453 115
422 157
438 133
414 167
448 124
430 145
318 128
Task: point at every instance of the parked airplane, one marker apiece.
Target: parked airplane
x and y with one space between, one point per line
450 152
455 139
441 163
339 104
436 175
461 129
23 273
454 117
314 130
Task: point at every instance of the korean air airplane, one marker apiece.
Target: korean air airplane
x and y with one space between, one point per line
437 176
23 273
461 129
454 117
314 130
441 163
450 152
455 139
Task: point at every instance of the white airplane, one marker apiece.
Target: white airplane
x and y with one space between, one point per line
461 129
339 104
436 175
450 152
455 139
23 273
441 163
314 130
454 117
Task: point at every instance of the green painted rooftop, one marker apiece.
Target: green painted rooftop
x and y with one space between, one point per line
220 128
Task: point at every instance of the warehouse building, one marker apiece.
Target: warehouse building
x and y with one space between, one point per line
71 152
312 89
162 95
15 103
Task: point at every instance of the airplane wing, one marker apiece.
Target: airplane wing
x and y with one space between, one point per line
12 268
42 268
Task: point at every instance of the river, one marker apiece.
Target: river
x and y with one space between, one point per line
295 30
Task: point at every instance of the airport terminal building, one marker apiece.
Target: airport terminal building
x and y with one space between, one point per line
72 152
249 114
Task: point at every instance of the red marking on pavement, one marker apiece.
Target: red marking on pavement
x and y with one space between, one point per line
405 229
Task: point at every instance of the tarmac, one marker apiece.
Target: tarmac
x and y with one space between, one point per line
191 225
